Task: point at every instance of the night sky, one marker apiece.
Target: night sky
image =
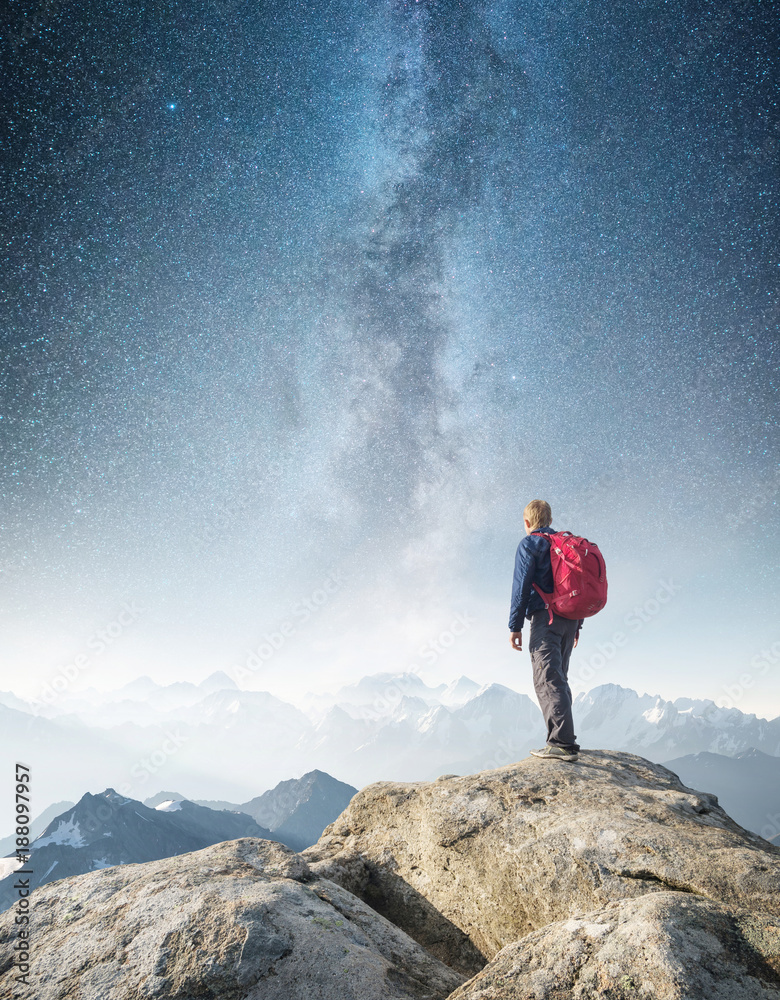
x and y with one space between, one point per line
311 299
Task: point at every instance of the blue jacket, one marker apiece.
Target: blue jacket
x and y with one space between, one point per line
532 565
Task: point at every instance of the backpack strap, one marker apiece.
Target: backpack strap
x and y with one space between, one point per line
545 597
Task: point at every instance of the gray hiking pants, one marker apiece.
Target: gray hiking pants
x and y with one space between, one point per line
550 647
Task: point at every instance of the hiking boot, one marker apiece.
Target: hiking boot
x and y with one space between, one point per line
555 753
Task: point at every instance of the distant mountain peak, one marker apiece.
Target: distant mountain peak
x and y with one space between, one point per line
604 691
387 686
459 691
495 690
297 810
218 681
154 800
113 796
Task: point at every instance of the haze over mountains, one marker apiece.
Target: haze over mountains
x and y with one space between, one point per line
747 786
214 741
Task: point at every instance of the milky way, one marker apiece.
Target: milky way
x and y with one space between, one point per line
295 289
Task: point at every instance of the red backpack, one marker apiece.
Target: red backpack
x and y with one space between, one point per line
579 576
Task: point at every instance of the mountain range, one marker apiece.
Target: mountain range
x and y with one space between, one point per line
385 727
104 830
296 811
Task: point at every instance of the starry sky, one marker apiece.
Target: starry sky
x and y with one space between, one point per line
303 302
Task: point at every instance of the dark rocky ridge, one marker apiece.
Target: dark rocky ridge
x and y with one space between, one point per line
298 810
109 829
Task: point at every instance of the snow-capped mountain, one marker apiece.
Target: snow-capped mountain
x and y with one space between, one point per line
374 697
110 829
616 718
458 692
37 826
387 726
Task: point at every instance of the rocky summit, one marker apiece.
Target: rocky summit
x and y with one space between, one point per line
241 919
539 880
469 865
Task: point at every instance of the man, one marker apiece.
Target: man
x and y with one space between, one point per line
550 646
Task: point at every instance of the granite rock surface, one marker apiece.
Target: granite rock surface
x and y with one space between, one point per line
665 945
242 920
537 881
468 865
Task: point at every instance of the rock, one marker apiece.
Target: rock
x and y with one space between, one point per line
469 865
606 878
243 920
662 945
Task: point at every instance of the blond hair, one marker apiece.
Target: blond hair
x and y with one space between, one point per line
538 514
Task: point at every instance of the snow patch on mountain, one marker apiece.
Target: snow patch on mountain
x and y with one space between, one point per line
614 717
66 832
8 866
459 692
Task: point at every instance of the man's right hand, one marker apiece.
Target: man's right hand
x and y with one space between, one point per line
516 638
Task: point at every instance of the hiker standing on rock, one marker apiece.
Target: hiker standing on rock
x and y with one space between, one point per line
578 587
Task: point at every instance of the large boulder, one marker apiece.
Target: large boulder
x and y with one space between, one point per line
468 865
243 920
664 945
603 879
